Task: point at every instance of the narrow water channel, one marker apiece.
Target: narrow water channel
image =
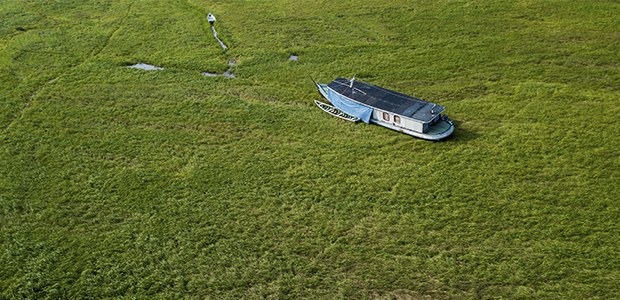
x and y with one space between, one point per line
217 38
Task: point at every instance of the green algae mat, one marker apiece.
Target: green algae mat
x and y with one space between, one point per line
165 183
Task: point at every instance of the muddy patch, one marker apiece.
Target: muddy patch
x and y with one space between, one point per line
145 67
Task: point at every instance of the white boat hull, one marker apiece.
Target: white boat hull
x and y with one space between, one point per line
441 129
435 136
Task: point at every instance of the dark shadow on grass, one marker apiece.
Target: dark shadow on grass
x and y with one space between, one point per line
460 134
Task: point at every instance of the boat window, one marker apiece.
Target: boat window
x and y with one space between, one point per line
386 116
397 119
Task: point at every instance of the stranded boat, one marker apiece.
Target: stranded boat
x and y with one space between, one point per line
211 18
354 101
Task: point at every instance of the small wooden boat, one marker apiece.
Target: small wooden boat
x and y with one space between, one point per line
373 104
335 112
211 18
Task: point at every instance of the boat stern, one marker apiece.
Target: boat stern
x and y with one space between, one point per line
440 129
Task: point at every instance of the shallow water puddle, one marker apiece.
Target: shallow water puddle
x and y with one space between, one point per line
145 67
227 74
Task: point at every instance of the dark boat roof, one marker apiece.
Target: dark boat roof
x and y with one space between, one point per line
387 100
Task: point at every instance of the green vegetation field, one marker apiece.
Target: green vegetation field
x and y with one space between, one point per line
117 182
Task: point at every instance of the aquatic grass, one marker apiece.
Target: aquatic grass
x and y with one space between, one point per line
117 182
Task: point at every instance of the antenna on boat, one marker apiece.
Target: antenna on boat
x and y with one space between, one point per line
315 83
351 87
